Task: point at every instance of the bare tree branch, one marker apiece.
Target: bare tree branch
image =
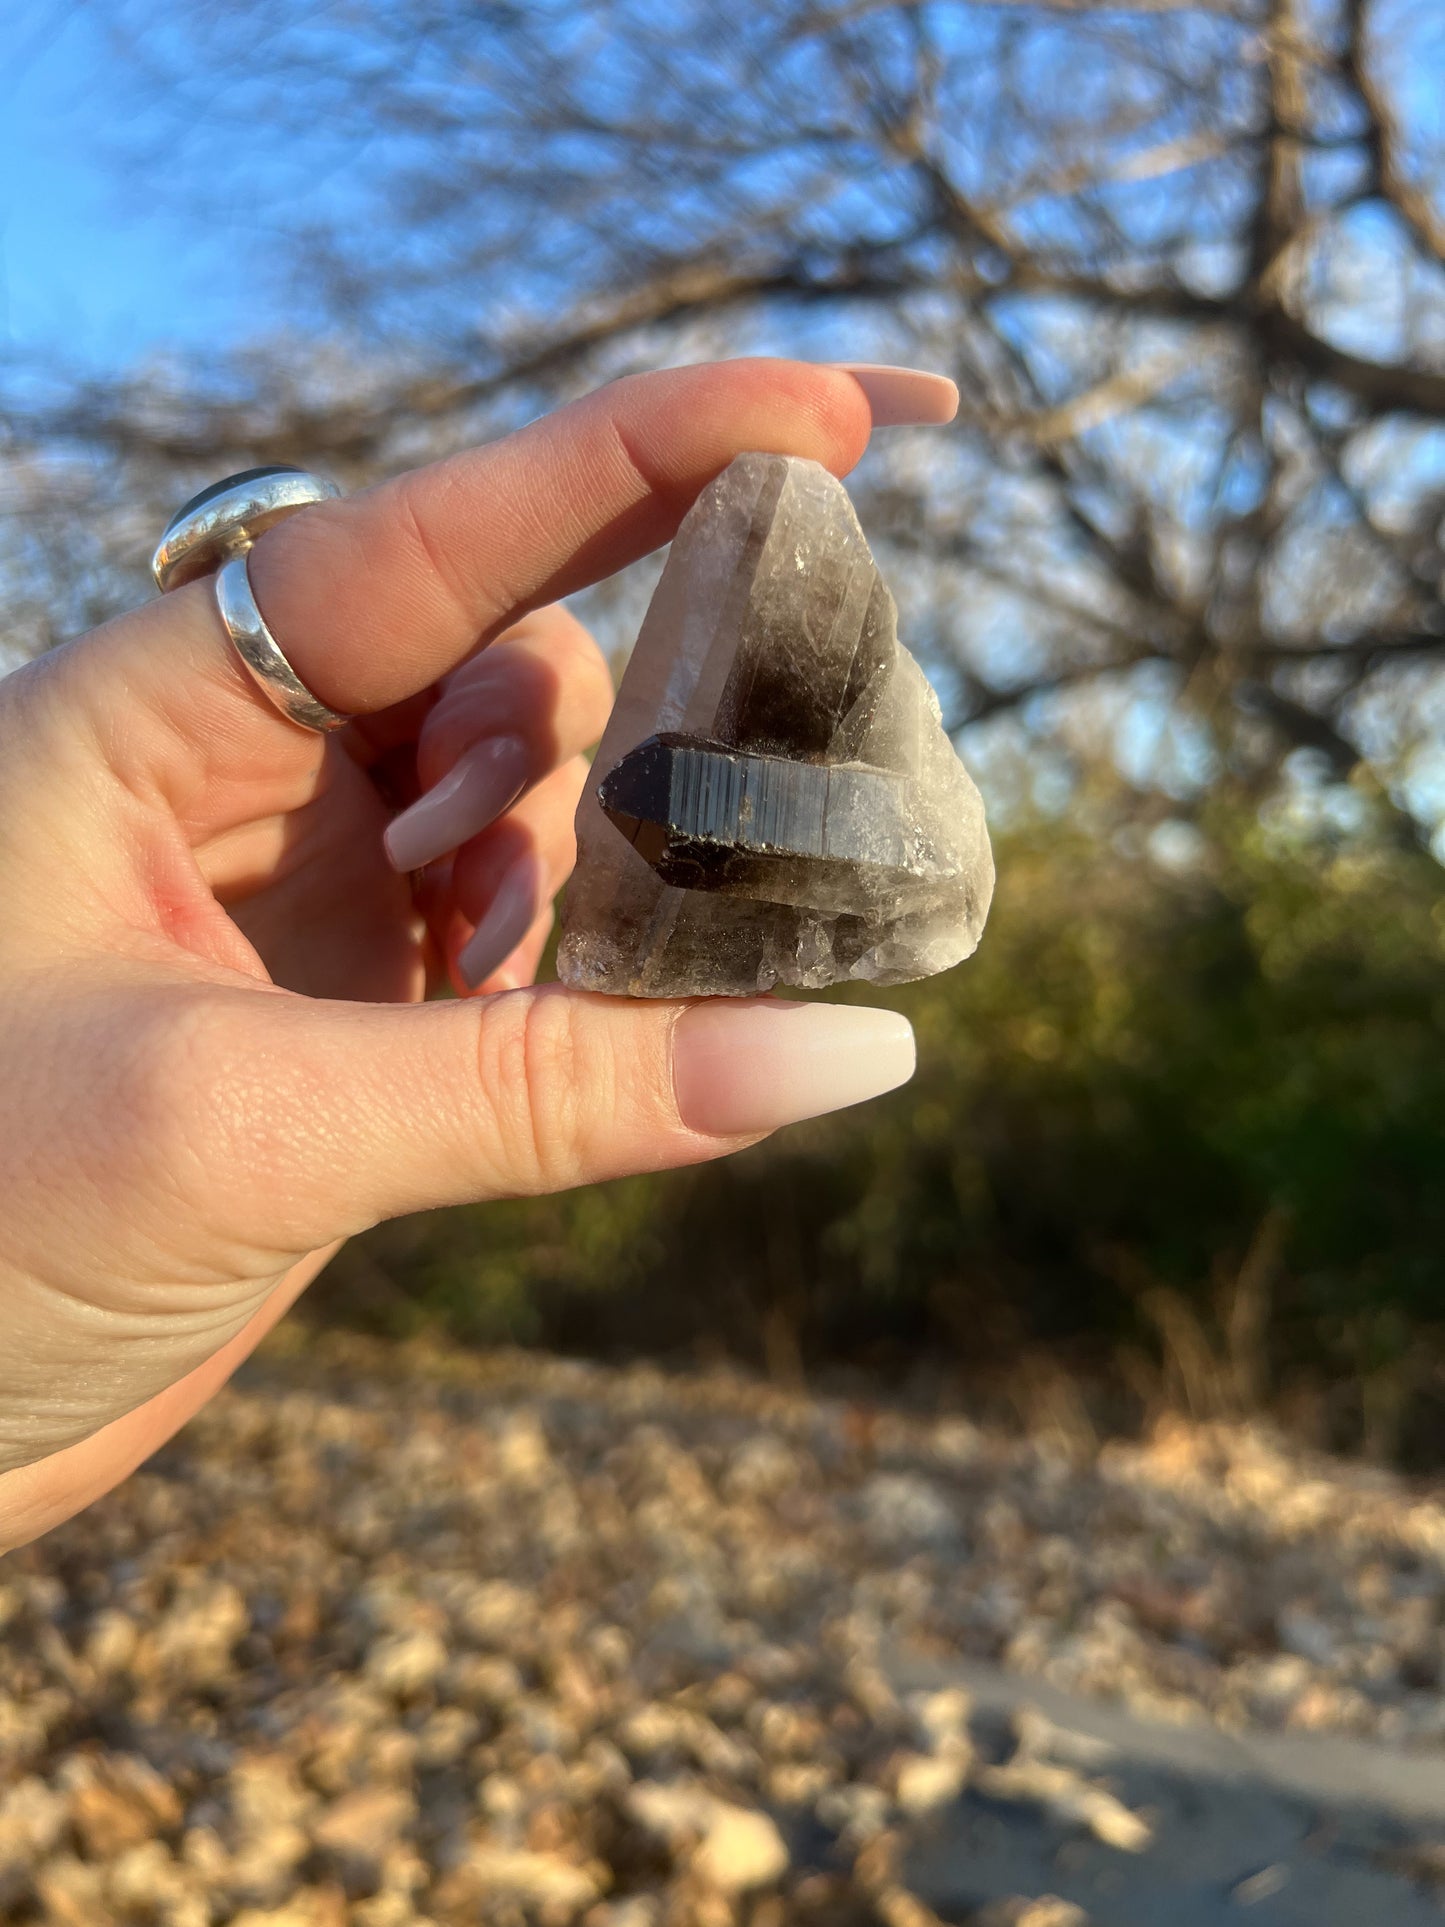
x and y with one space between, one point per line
1130 229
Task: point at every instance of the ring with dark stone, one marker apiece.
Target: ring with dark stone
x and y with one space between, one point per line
226 518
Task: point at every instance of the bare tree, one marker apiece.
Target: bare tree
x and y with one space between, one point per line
1185 257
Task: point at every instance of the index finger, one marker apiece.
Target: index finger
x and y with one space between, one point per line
374 597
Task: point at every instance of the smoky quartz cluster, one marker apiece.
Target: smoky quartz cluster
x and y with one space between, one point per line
775 800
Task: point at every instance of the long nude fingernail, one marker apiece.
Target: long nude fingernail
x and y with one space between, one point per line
903 397
743 1068
485 780
510 915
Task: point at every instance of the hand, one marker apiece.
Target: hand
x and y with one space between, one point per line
215 1060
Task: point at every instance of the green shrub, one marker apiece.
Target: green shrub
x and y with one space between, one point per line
1196 1118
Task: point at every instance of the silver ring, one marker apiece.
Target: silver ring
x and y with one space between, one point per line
261 652
219 526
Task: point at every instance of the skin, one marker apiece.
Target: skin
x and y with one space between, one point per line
215 1055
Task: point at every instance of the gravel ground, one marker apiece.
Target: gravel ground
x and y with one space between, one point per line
388 1640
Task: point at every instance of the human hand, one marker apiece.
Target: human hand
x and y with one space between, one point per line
215 1058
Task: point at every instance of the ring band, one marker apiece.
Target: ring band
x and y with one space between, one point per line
215 530
262 654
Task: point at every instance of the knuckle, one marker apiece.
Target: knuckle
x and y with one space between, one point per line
587 651
163 1079
554 623
593 674
212 1110
566 645
192 1087
165 1051
550 1081
436 559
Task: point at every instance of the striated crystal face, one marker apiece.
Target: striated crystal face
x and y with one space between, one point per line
775 799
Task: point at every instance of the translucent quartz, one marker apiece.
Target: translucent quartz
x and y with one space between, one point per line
775 799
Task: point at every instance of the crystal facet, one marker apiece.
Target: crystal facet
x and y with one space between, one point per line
775 799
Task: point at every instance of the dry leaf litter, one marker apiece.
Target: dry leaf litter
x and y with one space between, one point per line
380 1643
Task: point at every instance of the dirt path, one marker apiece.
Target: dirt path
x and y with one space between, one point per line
1276 1830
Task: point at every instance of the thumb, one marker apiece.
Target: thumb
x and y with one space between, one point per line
360 1112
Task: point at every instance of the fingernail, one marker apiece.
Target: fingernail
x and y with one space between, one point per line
510 915
483 782
741 1068
903 397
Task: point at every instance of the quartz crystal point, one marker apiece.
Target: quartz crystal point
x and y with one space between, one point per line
775 799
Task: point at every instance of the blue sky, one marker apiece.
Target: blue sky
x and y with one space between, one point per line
88 270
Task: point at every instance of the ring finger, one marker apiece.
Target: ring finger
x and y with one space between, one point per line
504 721
491 917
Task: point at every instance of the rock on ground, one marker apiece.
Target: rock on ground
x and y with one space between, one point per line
387 1640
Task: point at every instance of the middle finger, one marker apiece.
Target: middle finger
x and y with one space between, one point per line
530 703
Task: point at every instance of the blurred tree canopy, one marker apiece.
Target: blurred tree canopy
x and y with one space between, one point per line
1177 572
1187 262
